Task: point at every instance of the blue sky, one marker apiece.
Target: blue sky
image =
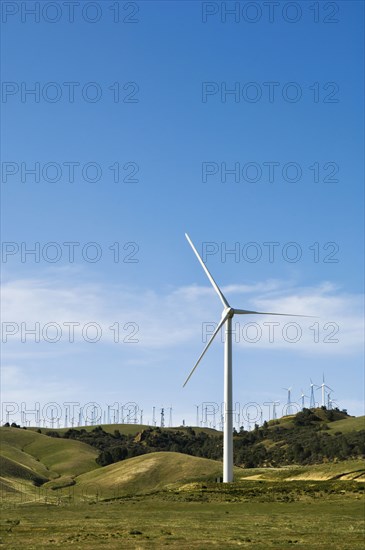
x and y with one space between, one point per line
174 139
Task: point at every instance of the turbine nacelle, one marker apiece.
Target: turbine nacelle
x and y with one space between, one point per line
228 313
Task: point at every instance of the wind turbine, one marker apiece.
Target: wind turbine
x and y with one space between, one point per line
227 316
323 387
312 402
288 404
274 415
302 397
331 402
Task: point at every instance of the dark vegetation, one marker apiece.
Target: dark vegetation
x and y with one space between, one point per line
302 439
305 441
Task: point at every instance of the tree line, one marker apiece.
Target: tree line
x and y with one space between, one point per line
304 440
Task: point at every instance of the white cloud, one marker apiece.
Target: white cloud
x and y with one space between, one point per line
177 317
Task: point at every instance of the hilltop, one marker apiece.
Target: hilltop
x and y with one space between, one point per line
148 473
309 437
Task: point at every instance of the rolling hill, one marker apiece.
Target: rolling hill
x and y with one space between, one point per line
58 456
29 459
145 459
148 473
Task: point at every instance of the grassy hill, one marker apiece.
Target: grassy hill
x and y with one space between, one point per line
314 445
346 470
147 473
29 459
349 424
328 417
55 456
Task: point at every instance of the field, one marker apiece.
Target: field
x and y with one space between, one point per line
53 494
193 521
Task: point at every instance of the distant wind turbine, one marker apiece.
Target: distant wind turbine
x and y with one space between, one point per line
331 402
302 397
227 316
288 403
323 387
312 402
274 415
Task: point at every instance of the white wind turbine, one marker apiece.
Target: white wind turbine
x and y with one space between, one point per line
302 397
323 387
227 315
312 402
288 403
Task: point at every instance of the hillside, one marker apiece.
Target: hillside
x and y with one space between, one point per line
29 459
309 437
147 473
312 445
58 456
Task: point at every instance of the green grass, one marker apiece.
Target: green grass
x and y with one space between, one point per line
58 456
154 522
14 453
170 499
14 470
347 470
64 456
29 459
348 424
147 473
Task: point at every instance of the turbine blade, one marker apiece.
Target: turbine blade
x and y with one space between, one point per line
224 319
247 312
214 284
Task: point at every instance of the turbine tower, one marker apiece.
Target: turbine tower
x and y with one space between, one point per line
226 320
302 398
323 387
170 417
288 403
312 402
329 401
154 416
197 416
274 415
